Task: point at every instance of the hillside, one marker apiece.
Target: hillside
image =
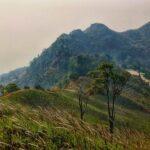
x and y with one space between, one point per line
13 76
79 51
50 119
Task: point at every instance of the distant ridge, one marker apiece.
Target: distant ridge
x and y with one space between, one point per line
79 51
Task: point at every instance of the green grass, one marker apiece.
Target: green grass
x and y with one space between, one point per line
37 119
128 111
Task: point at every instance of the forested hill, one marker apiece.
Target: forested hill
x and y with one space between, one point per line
80 51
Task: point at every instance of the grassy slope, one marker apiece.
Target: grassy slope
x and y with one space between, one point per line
34 119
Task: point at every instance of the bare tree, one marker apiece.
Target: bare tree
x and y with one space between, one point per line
82 99
83 95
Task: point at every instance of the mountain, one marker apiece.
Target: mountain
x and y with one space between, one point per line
38 118
80 51
13 76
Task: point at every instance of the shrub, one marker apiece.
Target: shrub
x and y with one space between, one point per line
12 87
74 76
38 87
26 87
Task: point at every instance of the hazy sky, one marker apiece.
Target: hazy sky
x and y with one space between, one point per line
28 26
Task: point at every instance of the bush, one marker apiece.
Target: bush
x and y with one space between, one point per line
26 87
12 87
38 87
74 76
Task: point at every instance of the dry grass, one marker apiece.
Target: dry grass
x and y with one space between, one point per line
23 127
127 138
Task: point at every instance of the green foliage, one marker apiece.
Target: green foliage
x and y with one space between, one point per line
12 87
112 81
79 52
81 64
1 90
107 75
26 87
74 76
34 97
147 75
38 87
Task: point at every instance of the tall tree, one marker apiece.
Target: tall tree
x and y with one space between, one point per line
112 81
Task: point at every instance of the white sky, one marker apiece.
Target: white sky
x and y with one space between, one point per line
28 26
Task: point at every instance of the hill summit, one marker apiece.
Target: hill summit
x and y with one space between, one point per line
79 51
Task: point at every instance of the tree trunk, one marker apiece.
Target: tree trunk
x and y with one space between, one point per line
111 125
81 115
